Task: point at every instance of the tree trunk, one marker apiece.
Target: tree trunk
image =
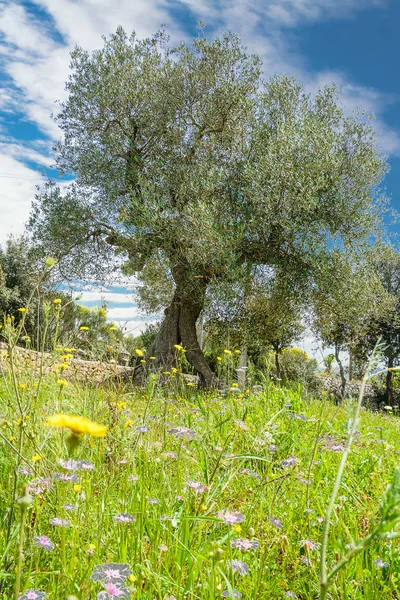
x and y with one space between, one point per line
341 372
242 368
390 400
179 326
350 364
278 367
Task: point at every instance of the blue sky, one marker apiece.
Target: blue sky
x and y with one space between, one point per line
351 42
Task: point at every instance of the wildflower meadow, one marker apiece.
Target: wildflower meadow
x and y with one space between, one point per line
169 492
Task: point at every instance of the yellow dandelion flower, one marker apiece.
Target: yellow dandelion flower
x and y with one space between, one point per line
121 404
237 351
12 438
152 357
113 328
166 372
190 384
129 423
132 578
62 382
143 361
219 357
77 487
235 385
139 352
84 328
36 458
57 301
238 528
23 387
179 348
78 425
23 310
228 352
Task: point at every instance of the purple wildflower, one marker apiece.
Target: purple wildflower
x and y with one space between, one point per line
111 572
57 522
231 517
197 487
309 545
85 465
244 544
234 593
66 477
24 471
238 566
38 486
380 563
142 429
153 501
69 506
124 518
289 462
182 432
163 548
242 425
33 595
42 541
113 591
133 478
275 521
290 595
170 455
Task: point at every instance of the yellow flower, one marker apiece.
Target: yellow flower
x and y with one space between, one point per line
57 301
23 387
143 361
174 370
190 384
62 382
238 528
113 328
152 357
110 348
139 352
235 385
36 458
77 487
121 404
228 352
22 310
19 421
179 348
12 438
219 357
166 372
132 578
129 423
237 351
78 425
84 328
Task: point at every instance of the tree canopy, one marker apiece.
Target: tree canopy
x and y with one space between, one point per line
187 162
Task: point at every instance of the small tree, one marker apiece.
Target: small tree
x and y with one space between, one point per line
348 298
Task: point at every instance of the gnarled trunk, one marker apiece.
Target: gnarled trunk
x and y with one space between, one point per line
179 326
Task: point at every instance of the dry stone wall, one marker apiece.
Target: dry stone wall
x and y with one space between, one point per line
63 368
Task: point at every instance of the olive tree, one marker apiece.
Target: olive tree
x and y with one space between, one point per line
184 157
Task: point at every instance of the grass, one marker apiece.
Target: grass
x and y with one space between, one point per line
271 455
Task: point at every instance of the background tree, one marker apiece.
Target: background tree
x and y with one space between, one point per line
348 298
184 157
386 325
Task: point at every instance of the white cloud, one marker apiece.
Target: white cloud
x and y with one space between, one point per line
17 190
107 296
34 55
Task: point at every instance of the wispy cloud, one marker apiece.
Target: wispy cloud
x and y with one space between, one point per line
34 58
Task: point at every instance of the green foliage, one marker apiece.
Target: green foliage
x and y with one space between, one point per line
296 368
192 170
